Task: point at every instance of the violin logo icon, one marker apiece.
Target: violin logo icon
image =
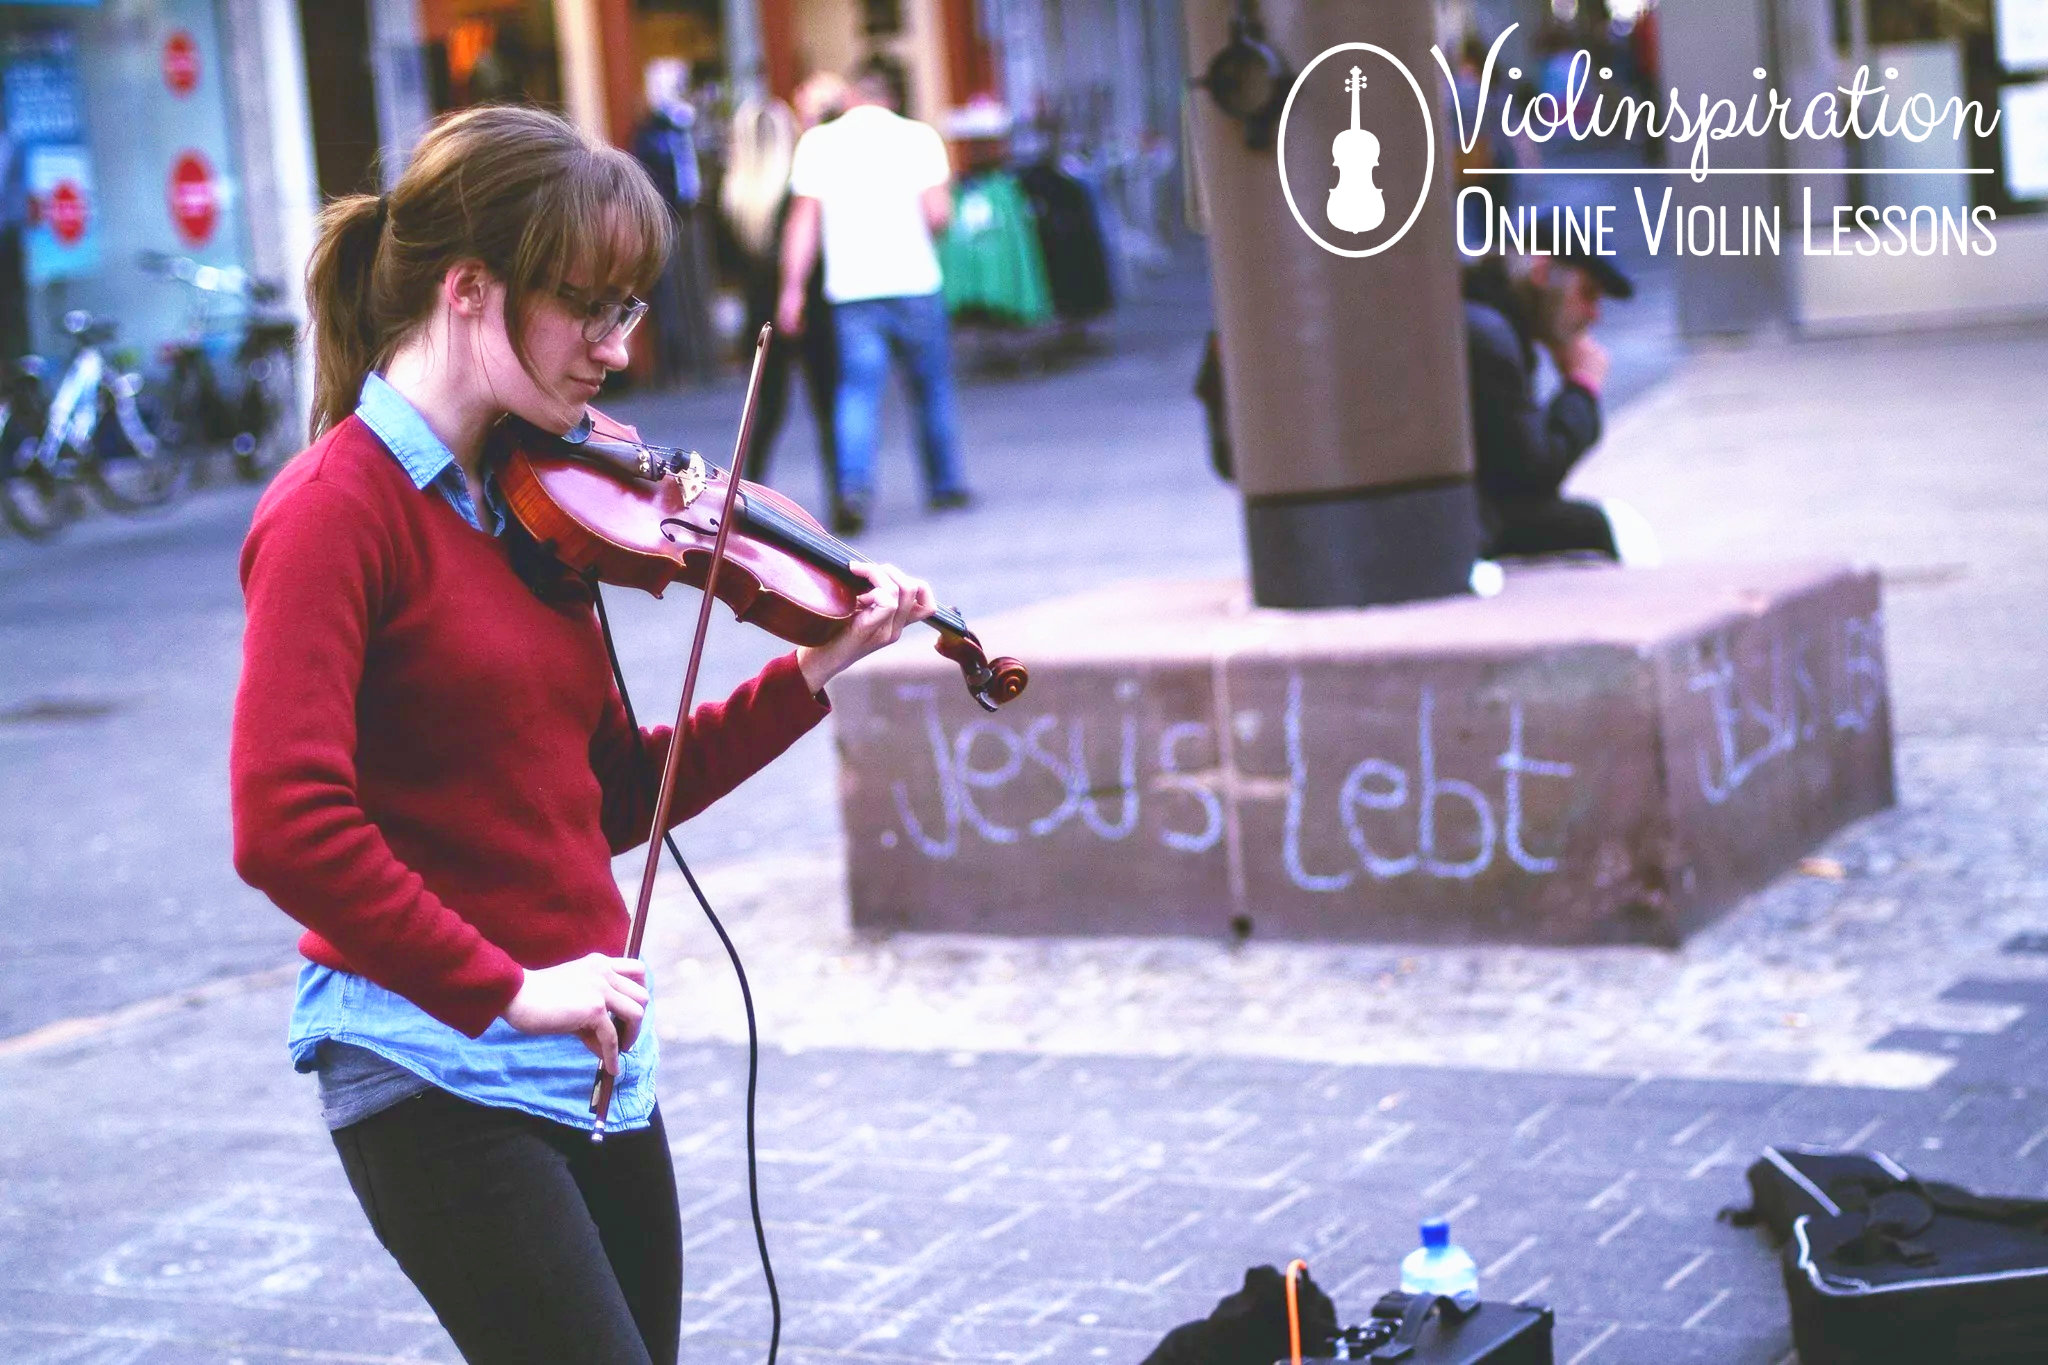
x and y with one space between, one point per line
1355 203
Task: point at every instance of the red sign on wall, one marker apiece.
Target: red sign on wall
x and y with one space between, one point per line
181 62
64 210
194 197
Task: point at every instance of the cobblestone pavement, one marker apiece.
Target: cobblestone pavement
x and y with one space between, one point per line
928 1206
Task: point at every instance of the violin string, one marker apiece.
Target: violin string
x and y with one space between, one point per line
826 550
739 970
829 549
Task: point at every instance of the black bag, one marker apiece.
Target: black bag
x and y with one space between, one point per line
1881 1267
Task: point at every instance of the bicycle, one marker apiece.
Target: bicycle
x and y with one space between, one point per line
37 500
96 430
256 344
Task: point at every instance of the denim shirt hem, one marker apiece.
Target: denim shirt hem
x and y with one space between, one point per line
614 1122
536 1074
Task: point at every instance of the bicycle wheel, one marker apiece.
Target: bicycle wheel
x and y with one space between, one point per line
269 405
179 411
36 503
129 469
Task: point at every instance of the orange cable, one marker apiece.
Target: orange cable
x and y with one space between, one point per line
1294 1268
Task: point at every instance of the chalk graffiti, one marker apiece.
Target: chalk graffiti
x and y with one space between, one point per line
959 779
1172 778
1764 710
987 753
1375 784
1446 787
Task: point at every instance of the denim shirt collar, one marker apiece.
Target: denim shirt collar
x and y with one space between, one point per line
425 457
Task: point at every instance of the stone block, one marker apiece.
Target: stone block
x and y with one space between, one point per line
1596 755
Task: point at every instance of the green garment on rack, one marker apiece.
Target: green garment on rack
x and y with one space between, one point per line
990 258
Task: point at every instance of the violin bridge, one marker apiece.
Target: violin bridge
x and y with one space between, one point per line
690 475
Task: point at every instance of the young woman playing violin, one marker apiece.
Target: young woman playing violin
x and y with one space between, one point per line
432 768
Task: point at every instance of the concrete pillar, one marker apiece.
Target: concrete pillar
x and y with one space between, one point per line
274 131
398 63
746 62
1344 376
576 36
1714 48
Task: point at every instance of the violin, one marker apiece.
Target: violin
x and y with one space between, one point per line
1355 205
644 516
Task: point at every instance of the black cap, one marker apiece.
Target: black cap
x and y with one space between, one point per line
1573 252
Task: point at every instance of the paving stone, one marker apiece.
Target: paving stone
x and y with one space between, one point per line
2031 993
1627 1346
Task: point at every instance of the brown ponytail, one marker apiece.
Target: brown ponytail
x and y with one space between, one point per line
344 340
518 189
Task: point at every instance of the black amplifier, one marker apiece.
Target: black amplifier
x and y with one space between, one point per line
1418 1329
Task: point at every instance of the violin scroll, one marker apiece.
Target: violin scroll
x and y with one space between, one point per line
1008 679
991 682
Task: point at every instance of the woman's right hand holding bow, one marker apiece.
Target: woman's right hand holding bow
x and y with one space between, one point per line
600 999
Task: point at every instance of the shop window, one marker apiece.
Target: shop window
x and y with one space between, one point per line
491 52
114 141
1993 53
692 31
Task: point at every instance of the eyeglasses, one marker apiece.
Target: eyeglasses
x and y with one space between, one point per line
603 317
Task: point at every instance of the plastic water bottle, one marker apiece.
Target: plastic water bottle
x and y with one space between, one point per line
1441 1267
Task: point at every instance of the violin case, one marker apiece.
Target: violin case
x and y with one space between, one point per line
1882 1268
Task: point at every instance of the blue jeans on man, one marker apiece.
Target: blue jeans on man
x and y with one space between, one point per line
914 329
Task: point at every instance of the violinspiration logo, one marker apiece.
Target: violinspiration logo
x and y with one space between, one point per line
1347 181
1351 202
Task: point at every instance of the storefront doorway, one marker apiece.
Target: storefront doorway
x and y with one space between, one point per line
338 81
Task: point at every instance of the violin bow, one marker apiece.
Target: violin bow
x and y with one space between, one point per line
664 798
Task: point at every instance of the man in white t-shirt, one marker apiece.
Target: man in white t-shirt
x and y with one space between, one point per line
874 188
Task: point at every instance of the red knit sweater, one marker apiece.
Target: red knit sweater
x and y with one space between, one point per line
431 768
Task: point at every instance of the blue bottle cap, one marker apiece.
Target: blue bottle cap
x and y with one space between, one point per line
1436 1234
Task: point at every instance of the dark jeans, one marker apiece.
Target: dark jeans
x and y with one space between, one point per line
1547 526
529 1242
914 330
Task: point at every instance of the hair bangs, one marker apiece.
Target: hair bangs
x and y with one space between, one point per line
610 232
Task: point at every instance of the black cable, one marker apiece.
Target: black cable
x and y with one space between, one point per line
746 991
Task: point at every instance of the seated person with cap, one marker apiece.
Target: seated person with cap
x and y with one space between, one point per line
1523 449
